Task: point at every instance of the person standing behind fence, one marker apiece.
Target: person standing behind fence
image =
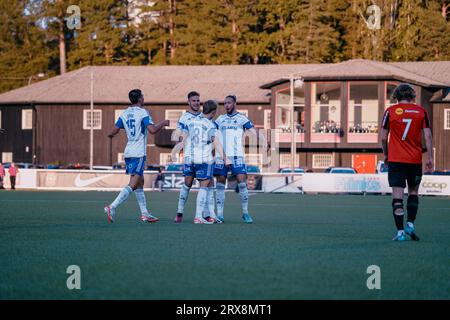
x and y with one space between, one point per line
2 175
13 171
159 180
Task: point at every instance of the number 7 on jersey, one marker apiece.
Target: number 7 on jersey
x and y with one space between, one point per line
408 125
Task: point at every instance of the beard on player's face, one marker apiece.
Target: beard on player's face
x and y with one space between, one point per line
230 107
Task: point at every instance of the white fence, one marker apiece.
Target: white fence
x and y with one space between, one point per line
283 183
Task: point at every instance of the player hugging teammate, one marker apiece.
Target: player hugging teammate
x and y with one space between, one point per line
229 156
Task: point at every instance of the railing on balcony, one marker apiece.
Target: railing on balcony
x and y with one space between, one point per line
285 135
326 132
365 133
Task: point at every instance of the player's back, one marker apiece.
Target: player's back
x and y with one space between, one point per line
134 120
198 145
405 122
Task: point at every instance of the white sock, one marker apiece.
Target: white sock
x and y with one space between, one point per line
202 199
211 202
243 194
123 195
220 198
184 193
140 197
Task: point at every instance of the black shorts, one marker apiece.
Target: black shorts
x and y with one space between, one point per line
399 173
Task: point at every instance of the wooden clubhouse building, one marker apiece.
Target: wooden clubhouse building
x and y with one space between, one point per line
337 110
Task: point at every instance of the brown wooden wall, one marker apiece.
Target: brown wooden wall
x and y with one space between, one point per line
441 137
61 139
59 136
15 140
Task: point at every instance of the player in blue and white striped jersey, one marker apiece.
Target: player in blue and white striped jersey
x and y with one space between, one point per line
198 140
137 122
192 113
231 127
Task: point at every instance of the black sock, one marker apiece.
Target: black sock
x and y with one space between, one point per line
398 204
412 206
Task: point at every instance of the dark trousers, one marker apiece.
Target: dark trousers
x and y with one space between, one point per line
13 182
1 182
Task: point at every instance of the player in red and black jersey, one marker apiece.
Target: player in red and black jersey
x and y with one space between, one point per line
404 124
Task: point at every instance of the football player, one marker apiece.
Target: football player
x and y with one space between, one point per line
404 124
137 122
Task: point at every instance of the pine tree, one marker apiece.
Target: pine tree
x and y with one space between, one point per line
313 37
24 49
103 37
421 32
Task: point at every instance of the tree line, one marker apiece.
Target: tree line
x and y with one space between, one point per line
38 36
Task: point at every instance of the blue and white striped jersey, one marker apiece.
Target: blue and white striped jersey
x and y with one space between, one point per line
231 130
135 120
198 144
185 119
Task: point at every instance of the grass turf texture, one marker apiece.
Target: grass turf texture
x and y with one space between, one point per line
300 247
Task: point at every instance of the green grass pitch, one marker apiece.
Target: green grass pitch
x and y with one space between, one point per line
300 247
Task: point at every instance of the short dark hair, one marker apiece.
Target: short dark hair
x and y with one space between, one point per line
209 106
193 94
231 96
135 95
404 91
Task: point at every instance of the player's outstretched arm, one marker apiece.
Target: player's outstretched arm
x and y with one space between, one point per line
115 130
218 147
429 144
178 147
384 143
155 128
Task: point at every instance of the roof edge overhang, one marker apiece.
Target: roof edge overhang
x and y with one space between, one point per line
156 103
355 78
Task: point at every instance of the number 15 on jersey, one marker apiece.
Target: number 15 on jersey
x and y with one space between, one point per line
131 125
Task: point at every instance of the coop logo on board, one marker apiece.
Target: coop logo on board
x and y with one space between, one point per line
434 185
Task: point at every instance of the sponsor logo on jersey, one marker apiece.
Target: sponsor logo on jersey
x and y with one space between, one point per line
399 111
412 111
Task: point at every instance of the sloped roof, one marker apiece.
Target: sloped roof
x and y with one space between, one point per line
436 70
419 73
160 84
170 84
